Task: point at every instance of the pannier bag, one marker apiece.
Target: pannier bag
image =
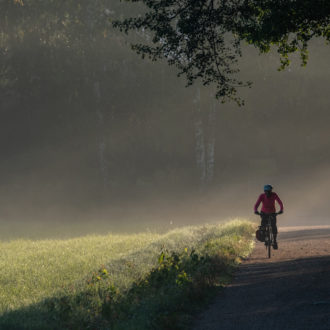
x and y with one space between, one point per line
260 234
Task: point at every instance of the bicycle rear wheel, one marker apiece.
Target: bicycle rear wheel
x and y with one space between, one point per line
270 241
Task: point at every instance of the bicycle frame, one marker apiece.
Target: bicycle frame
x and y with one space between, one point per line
269 239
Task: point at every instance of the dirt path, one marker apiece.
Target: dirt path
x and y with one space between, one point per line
289 291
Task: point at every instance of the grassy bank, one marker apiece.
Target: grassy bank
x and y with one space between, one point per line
137 281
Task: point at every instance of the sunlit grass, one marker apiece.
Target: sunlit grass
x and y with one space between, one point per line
32 270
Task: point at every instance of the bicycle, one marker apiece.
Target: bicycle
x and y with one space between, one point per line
269 237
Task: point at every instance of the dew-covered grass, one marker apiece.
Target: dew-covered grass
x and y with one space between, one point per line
32 270
35 271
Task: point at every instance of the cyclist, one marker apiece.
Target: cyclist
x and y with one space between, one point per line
268 207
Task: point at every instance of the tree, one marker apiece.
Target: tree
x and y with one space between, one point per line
203 38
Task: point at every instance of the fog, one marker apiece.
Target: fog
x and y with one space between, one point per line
91 133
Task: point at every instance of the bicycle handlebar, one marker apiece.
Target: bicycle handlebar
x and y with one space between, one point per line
276 213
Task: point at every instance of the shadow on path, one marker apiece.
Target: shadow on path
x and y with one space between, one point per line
289 291
307 234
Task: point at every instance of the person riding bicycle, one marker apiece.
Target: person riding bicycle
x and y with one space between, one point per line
268 207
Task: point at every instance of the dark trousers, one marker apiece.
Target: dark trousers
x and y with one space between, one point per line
264 219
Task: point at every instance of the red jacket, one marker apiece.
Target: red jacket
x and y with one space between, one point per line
268 203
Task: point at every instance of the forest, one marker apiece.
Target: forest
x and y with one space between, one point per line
87 124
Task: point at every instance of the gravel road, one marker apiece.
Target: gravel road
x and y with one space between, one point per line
289 291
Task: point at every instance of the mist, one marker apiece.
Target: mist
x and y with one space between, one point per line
92 134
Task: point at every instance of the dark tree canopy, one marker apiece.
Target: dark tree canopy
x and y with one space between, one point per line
202 38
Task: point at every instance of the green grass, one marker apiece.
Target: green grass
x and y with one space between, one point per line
33 270
98 281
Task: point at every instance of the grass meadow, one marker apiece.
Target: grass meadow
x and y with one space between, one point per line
133 281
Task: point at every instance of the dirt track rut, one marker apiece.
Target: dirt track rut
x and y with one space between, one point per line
289 291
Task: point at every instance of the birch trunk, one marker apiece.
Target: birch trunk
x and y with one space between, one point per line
102 146
205 125
199 139
210 159
97 97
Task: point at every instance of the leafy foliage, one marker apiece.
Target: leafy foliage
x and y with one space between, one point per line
203 38
288 24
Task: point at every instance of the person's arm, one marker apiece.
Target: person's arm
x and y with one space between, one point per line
257 204
279 203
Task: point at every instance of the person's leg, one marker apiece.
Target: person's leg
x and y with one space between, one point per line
263 224
274 227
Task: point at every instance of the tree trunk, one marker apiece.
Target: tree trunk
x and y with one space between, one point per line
102 146
97 98
205 124
210 159
199 139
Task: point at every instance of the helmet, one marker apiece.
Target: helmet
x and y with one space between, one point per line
268 187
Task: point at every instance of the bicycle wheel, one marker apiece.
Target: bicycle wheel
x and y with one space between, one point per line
270 241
